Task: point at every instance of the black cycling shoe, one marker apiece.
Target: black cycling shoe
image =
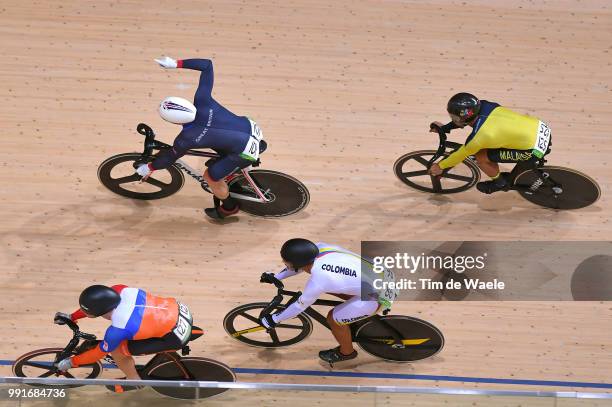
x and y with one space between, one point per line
334 355
489 187
220 212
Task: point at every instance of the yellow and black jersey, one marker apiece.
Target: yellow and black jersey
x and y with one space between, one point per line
500 127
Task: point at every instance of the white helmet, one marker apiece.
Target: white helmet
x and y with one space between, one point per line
177 110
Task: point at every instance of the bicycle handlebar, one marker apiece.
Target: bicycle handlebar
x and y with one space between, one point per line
278 298
277 283
149 143
441 146
75 329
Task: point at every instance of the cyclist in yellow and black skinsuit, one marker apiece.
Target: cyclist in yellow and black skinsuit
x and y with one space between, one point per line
498 135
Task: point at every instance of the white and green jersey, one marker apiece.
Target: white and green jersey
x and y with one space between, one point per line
339 271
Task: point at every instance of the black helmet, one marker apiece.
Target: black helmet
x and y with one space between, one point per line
463 108
299 252
97 300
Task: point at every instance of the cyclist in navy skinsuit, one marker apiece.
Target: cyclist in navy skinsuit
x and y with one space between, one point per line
214 127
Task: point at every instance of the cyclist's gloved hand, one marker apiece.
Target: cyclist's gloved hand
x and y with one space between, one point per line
60 318
166 62
267 278
435 170
145 170
435 127
64 364
267 321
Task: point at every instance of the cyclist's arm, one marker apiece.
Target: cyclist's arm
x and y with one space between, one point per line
281 275
448 127
311 292
78 314
469 148
203 93
112 339
167 157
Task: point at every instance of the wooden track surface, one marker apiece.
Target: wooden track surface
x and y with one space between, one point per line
341 90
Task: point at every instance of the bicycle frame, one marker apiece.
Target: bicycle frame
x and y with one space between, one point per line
74 342
442 146
317 316
150 144
78 335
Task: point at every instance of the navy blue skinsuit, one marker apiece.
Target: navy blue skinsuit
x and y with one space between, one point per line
214 127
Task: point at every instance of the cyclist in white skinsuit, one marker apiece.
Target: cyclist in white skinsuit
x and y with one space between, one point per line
335 271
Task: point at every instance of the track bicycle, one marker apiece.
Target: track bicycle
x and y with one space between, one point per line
162 366
396 338
548 186
263 193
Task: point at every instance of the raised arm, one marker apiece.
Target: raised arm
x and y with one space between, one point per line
203 93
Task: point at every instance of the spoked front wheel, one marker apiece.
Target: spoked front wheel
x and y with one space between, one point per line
242 323
39 363
202 369
420 339
575 190
118 174
285 194
411 169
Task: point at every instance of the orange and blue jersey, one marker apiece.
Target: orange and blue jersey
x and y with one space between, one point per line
139 315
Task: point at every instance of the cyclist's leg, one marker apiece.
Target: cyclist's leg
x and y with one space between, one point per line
522 166
489 167
123 354
500 181
346 313
215 176
528 163
125 362
154 345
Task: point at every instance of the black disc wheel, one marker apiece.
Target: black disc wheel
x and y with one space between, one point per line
201 369
242 323
118 174
420 339
559 188
39 363
285 194
411 169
